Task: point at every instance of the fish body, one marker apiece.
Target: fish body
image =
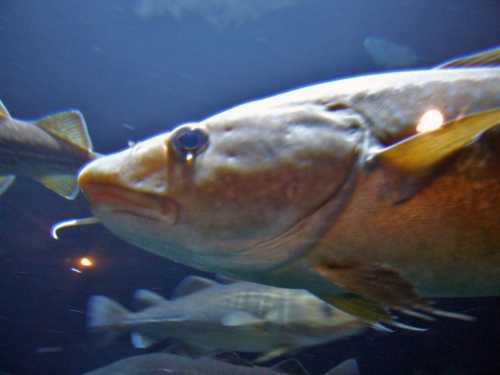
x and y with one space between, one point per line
50 150
208 317
327 188
163 363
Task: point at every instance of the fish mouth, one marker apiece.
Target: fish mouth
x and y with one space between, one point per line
122 201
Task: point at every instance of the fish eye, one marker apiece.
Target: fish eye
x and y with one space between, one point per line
189 142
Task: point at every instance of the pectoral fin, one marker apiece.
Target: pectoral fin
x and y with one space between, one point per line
413 162
375 282
383 285
421 152
5 182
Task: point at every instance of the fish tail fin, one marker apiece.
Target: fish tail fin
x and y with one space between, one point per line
70 128
105 318
5 182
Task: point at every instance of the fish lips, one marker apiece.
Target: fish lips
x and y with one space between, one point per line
122 201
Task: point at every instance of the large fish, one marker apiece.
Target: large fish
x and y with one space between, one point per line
50 150
336 186
208 317
163 363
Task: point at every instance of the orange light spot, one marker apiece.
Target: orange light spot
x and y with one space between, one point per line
431 120
86 262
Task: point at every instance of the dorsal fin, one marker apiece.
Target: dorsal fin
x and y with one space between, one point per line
490 57
69 126
290 366
3 110
192 284
144 298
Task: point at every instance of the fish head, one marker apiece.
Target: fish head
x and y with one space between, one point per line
226 192
314 317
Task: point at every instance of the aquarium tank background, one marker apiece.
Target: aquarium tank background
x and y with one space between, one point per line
136 68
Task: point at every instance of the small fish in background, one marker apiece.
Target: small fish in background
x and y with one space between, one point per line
208 317
50 150
387 54
220 14
163 363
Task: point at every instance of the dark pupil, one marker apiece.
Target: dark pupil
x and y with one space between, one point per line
189 140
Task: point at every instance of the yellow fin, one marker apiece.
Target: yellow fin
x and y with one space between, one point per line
64 185
490 57
423 151
3 110
69 126
360 307
5 182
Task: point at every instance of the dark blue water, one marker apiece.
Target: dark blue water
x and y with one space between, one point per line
134 77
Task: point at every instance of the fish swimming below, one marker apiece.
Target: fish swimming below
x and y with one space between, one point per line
333 188
207 317
50 150
163 363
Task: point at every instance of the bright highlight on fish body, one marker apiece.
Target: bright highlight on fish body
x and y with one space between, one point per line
330 188
431 120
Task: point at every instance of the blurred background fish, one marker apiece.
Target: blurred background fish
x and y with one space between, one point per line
221 14
208 317
388 54
162 363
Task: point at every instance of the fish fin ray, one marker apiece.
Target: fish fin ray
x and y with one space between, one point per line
375 282
422 151
62 184
490 57
3 110
192 284
144 298
409 165
6 182
69 126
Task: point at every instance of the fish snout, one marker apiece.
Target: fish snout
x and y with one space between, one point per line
99 172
